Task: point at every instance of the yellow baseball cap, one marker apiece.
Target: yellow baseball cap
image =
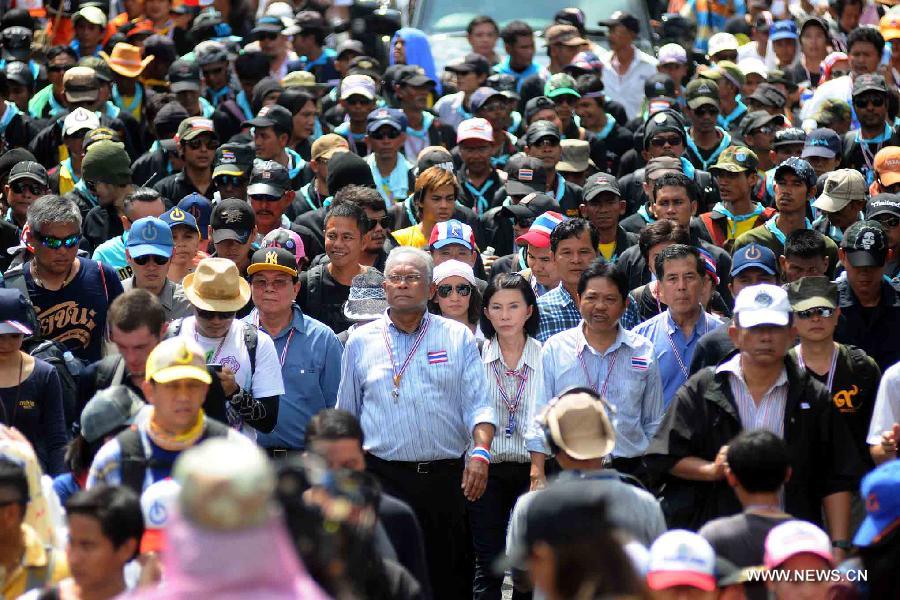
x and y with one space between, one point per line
177 358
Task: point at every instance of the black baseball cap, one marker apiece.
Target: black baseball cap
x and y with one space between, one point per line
526 175
865 244
789 137
768 95
275 116
233 158
883 204
620 17
184 76
472 63
437 156
659 85
168 120
536 105
599 183
481 96
29 170
273 258
662 122
541 129
232 219
533 205
413 76
757 119
268 178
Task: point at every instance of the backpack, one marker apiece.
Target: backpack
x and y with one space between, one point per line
134 463
315 291
251 339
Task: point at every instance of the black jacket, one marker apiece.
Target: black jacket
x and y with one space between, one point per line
703 417
632 186
878 334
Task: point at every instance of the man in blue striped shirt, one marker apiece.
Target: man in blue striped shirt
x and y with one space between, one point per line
573 245
418 386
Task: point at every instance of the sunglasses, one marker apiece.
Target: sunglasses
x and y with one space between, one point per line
268 35
230 181
876 101
463 289
211 315
767 130
35 189
706 111
889 222
264 198
547 142
391 134
662 141
815 312
358 100
145 260
58 68
385 222
54 243
195 144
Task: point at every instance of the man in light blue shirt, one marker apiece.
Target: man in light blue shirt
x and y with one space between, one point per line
617 364
308 350
681 272
417 384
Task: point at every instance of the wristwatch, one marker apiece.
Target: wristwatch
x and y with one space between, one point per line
842 544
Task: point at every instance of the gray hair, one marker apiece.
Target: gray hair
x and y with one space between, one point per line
408 255
49 210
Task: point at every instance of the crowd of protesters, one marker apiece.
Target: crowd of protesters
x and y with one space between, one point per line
289 313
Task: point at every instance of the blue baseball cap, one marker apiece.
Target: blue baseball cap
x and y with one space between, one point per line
754 256
783 30
386 116
822 142
14 312
177 216
800 168
881 492
200 208
149 235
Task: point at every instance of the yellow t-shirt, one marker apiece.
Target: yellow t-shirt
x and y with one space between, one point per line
742 228
607 250
35 559
411 236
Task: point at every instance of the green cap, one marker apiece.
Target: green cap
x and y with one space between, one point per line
725 69
106 162
561 84
193 127
702 91
737 159
812 292
831 111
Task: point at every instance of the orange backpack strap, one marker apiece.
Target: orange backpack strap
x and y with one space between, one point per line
717 236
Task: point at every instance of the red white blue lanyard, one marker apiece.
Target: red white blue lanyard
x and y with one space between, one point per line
831 371
398 374
592 384
511 407
286 345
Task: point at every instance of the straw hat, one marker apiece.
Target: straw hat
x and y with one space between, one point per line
126 60
217 286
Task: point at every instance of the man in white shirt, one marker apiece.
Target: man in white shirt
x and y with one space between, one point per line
884 430
626 68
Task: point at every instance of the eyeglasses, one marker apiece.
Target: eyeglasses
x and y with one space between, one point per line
278 285
889 222
662 141
35 189
195 144
391 134
230 180
766 130
386 222
815 312
463 289
264 198
54 243
704 111
210 315
547 142
145 260
268 35
410 279
864 101
837 73
358 100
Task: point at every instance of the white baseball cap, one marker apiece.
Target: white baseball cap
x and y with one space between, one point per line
753 65
475 129
80 119
361 85
672 54
796 537
680 557
763 304
722 41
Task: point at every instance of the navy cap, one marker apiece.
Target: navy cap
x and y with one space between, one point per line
823 142
14 312
200 207
800 168
754 256
481 96
175 217
386 116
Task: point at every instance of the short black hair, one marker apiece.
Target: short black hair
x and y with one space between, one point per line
677 180
573 228
759 460
294 98
252 66
865 33
604 270
510 281
350 210
332 424
57 50
662 231
116 508
480 20
362 195
677 252
805 243
514 30
13 478
590 83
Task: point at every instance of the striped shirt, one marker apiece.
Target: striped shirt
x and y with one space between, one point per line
512 448
768 413
557 311
443 393
629 372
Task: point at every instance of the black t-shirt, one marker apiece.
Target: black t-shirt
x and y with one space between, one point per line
75 316
322 298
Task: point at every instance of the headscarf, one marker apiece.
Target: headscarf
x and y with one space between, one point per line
418 52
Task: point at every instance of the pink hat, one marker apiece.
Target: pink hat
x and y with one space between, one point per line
475 129
796 537
287 239
680 557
